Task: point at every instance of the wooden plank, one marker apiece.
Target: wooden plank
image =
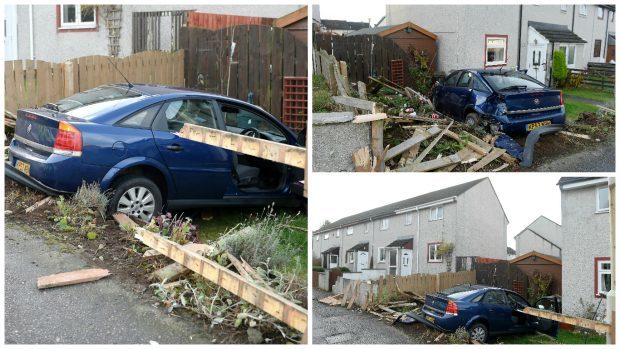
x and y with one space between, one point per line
171 272
369 117
356 103
273 304
494 154
410 156
355 290
361 90
39 204
376 143
430 146
345 293
408 144
71 278
568 319
277 152
123 219
432 164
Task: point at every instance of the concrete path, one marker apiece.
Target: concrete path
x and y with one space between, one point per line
101 312
599 159
339 325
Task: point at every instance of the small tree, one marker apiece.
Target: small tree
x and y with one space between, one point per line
560 71
420 71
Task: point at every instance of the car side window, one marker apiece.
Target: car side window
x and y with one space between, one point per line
192 111
238 119
516 300
142 118
479 85
494 297
451 79
464 80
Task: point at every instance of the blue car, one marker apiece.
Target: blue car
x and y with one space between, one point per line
484 311
125 137
498 100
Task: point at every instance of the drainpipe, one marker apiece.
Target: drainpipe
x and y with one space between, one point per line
604 48
611 295
551 65
371 247
519 40
572 26
417 253
30 17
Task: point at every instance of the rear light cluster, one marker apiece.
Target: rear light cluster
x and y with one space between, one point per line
561 97
68 140
452 308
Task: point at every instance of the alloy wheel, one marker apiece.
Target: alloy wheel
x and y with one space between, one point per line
138 202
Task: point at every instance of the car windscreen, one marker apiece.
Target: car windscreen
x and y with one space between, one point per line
457 289
94 100
511 81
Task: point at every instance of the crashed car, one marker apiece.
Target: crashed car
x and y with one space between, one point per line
485 311
126 138
499 100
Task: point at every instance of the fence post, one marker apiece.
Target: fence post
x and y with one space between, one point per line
69 80
437 282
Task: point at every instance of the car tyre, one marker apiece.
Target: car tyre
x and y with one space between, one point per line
478 332
136 196
472 120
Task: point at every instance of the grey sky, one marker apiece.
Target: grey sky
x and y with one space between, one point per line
524 196
353 11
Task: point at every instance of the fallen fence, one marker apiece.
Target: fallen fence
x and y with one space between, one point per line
32 83
597 326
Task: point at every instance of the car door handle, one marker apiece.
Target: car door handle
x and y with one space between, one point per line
174 147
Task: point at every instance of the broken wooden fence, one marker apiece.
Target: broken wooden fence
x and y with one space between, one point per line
597 326
31 83
422 284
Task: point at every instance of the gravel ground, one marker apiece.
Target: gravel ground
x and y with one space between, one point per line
102 312
595 159
339 325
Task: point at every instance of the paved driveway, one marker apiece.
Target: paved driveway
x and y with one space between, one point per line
339 325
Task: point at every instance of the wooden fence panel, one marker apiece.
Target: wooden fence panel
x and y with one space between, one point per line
423 284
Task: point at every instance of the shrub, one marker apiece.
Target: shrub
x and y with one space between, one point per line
460 336
345 269
560 71
575 80
79 212
420 71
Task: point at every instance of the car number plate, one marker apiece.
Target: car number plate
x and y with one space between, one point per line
430 318
23 167
535 125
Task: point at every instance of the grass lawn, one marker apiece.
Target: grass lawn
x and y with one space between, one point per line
575 108
564 337
605 96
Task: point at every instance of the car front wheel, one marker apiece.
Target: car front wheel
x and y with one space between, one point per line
472 120
136 196
478 332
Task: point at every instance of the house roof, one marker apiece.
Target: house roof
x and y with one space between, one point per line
565 180
291 18
389 29
541 234
556 32
546 257
362 246
399 243
335 24
391 208
331 250
510 250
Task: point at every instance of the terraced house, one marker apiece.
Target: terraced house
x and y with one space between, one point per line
430 233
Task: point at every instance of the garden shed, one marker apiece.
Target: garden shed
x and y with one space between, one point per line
533 262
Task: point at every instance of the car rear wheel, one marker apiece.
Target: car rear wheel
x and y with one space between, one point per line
472 120
478 332
136 196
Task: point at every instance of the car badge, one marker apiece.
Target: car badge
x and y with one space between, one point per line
536 101
29 128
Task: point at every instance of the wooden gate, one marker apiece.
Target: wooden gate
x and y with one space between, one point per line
261 57
366 55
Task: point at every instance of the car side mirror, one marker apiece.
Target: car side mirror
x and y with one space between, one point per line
540 306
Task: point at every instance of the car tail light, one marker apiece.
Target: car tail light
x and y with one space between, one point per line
561 97
452 308
68 140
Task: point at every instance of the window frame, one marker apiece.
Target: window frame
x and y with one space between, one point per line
583 10
600 13
326 236
598 273
160 122
338 233
269 119
408 218
597 54
435 245
61 26
488 37
317 237
437 217
563 8
121 122
349 230
597 208
387 224
367 228
379 251
350 260
568 47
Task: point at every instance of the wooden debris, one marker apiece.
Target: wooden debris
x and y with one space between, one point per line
576 135
597 326
345 293
354 292
39 204
464 155
124 220
500 168
369 117
409 157
356 103
237 263
171 272
270 302
408 144
438 338
361 90
432 145
377 83
71 278
376 143
150 253
172 285
494 154
412 94
363 161
331 300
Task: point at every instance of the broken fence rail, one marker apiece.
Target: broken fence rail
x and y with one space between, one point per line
273 304
597 326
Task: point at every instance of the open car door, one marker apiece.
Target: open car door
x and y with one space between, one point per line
546 326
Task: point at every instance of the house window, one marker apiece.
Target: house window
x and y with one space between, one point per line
408 218
436 213
385 223
326 236
602 274
602 199
496 50
350 231
316 238
381 253
367 228
350 257
583 10
338 233
597 48
563 8
611 16
432 253
78 16
333 259
599 12
569 52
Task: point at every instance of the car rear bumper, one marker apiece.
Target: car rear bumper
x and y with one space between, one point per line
518 124
30 182
422 319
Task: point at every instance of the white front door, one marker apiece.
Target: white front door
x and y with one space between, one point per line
405 262
393 261
537 61
361 261
333 261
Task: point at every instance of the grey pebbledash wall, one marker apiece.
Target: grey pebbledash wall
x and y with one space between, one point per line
335 139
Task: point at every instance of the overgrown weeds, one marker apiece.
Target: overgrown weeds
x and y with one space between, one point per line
460 336
177 228
84 213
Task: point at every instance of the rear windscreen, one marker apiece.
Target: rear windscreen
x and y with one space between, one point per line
511 80
94 100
